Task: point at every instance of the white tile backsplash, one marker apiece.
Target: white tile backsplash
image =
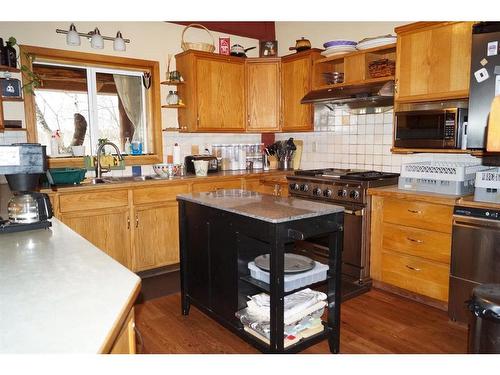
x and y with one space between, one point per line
359 141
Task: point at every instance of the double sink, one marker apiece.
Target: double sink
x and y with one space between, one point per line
114 180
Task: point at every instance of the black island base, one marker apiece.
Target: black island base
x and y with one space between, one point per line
222 231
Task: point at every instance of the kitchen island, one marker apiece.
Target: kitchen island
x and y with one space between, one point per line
61 294
224 230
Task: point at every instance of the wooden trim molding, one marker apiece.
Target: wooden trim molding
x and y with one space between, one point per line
29 53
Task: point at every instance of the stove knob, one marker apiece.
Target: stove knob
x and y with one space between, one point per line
304 187
354 194
327 193
317 192
294 186
342 193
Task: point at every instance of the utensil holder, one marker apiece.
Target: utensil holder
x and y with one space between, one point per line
285 164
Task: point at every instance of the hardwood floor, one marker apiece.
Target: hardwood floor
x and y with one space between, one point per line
376 322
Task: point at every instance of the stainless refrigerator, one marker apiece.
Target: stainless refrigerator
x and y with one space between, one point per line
484 80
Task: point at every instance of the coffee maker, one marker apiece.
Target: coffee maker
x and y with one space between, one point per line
23 164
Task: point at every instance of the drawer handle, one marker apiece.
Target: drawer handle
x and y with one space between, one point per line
415 211
414 240
412 268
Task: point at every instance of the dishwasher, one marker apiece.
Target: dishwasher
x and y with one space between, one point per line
475 256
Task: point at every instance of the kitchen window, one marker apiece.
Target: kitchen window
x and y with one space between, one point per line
87 97
86 104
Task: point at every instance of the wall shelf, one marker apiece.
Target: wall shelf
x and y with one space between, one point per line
363 82
5 68
9 99
172 83
354 66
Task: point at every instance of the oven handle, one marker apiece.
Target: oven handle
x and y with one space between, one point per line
355 212
476 223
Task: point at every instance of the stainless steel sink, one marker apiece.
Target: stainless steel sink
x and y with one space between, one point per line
111 180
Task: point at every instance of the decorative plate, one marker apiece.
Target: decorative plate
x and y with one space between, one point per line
294 263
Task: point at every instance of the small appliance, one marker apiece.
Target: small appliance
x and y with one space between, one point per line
212 163
436 125
23 164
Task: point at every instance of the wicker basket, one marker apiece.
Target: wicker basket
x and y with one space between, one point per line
382 68
199 46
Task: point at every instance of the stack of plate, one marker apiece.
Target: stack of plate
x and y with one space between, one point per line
332 78
336 47
376 42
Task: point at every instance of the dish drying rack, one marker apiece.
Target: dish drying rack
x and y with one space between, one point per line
488 186
443 177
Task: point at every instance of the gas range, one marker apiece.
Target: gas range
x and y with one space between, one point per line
347 188
338 185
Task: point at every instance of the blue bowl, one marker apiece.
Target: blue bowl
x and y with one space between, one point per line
339 43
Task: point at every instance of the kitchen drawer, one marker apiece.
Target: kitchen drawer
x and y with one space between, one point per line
418 242
416 274
418 214
216 185
159 193
93 200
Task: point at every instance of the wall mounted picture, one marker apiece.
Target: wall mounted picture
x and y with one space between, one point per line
268 48
11 88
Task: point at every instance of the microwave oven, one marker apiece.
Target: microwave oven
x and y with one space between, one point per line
438 125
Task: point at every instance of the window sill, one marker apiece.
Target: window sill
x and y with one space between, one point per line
78 161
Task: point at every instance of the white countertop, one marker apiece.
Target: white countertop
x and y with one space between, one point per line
58 292
262 206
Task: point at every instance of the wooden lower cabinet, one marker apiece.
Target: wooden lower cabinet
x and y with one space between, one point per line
156 236
416 274
108 229
271 187
411 247
139 226
216 185
125 342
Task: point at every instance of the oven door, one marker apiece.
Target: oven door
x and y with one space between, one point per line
426 129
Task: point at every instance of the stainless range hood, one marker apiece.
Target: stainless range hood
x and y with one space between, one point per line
380 94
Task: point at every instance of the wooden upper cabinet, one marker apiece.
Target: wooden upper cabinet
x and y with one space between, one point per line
214 92
433 61
263 94
296 81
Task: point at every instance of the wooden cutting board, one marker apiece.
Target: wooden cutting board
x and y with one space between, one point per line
297 156
493 137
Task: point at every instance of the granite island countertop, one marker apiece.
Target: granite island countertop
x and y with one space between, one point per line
261 206
59 293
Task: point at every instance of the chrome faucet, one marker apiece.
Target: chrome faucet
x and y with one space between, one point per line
99 170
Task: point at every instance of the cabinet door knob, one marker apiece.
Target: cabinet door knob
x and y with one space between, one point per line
136 220
415 211
128 222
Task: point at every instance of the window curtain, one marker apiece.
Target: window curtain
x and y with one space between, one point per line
129 90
